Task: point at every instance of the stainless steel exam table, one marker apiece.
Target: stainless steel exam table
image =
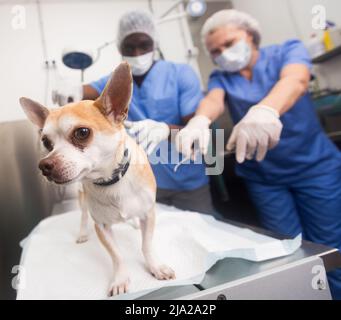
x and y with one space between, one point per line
298 276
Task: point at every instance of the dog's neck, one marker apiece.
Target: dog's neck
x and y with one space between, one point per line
116 163
117 173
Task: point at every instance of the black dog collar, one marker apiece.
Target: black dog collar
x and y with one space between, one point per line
118 173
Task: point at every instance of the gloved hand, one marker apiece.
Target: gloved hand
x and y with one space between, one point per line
148 133
197 129
67 94
258 131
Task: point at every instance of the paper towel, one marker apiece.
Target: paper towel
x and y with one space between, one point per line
55 267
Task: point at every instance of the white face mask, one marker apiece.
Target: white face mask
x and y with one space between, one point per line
235 58
140 64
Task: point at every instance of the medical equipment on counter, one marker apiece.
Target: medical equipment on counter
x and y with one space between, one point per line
327 40
335 35
315 46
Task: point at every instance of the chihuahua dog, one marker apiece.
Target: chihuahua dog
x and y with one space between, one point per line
87 142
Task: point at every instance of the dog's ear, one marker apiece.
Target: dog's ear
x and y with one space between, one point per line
115 98
34 111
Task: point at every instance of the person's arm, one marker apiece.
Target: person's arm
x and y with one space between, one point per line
89 92
149 133
197 128
293 83
212 106
190 95
84 92
260 129
262 121
184 121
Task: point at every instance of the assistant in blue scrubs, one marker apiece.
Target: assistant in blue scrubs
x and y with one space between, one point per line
296 185
167 93
303 149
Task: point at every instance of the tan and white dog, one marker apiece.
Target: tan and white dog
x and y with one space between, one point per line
87 142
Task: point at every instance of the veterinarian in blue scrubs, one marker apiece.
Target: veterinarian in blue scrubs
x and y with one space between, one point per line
165 97
295 186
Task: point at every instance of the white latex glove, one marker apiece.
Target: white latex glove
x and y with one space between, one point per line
197 129
255 134
148 133
67 94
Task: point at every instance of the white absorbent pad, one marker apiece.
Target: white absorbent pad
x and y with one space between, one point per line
53 266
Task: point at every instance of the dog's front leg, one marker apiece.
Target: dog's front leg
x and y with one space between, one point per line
121 280
158 270
83 232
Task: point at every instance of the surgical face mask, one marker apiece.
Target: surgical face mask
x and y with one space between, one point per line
140 64
235 58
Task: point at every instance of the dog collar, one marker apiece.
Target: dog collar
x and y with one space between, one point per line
118 173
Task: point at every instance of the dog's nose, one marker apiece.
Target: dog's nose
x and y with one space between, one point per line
46 166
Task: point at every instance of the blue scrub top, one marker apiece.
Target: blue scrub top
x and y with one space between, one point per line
169 92
304 150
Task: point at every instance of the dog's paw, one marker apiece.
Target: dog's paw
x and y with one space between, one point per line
82 238
119 286
162 272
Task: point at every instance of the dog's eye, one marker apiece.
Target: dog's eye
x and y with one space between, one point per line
47 143
81 133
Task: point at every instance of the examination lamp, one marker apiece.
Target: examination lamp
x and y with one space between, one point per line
82 59
77 59
196 8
